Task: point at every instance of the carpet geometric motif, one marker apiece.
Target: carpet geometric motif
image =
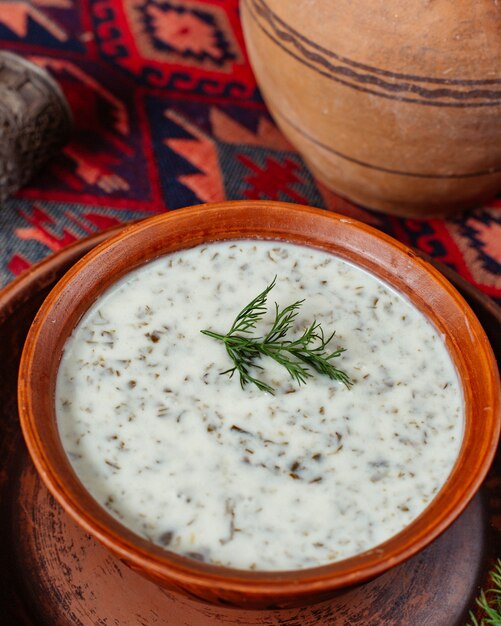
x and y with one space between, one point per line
167 114
53 24
192 33
194 46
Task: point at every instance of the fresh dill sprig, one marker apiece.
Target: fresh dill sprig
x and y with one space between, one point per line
490 601
298 356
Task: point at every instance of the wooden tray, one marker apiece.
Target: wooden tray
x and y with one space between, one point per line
53 573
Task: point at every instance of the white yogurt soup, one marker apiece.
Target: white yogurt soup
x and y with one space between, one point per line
315 473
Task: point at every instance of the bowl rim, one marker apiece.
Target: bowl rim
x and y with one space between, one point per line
306 223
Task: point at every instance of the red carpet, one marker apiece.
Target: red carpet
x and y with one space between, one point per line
168 114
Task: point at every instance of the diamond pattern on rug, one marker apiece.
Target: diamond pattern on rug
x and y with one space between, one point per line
187 46
193 33
168 115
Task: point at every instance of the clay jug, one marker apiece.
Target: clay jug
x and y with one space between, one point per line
395 104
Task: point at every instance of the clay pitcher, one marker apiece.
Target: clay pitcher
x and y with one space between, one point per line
395 104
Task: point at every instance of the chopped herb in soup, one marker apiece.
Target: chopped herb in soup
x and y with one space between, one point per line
310 474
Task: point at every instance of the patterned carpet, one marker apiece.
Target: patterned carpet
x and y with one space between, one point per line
168 114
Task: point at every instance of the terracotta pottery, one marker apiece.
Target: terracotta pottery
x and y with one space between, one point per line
393 104
356 242
47 557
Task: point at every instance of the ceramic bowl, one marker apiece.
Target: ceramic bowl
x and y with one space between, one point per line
380 101
356 242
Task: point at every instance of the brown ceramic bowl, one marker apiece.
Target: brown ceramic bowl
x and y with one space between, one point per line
370 249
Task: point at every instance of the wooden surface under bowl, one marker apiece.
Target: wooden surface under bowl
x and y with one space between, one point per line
356 242
52 573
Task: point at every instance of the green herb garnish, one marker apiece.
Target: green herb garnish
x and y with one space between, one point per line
490 601
297 356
